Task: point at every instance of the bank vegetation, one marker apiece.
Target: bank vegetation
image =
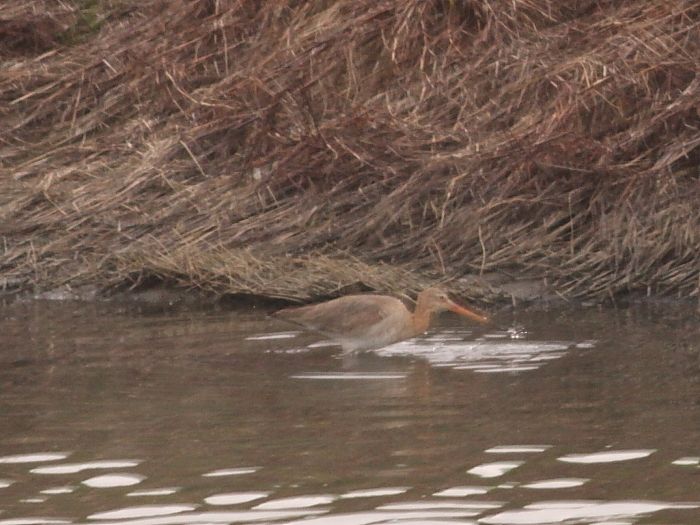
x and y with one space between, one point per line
293 148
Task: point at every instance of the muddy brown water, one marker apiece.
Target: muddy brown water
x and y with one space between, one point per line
114 414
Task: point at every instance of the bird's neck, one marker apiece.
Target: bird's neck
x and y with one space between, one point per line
421 318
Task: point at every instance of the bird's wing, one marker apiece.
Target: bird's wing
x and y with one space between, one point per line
346 316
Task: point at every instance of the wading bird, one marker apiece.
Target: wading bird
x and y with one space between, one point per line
366 322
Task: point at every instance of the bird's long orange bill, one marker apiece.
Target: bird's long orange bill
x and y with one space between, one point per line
453 307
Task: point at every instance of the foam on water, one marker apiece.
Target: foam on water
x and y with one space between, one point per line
4 483
608 456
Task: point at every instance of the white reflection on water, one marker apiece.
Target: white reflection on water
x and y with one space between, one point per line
237 471
476 506
73 468
371 493
366 518
192 518
323 344
276 335
494 470
420 521
517 449
349 375
297 502
144 511
608 456
34 521
557 483
575 511
486 356
460 492
165 491
114 480
234 498
501 369
59 490
5 483
687 461
34 458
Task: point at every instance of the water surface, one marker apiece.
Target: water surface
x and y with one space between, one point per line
113 414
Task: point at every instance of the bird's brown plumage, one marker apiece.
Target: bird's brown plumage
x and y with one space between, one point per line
363 322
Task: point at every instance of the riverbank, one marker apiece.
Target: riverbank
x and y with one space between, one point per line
296 151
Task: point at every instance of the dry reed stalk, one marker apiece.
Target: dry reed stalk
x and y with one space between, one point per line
289 149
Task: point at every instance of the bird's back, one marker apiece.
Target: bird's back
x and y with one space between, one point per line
358 322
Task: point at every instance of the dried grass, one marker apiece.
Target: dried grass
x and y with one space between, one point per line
292 148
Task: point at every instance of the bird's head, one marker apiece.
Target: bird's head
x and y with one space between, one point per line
436 300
